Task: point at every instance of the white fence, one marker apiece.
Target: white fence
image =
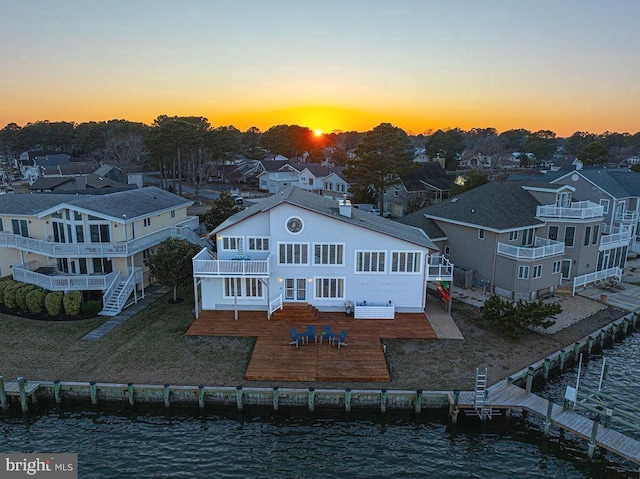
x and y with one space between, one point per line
589 278
542 248
374 311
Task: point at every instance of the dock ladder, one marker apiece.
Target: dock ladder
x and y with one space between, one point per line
480 395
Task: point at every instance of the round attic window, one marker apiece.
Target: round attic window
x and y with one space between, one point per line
575 177
294 225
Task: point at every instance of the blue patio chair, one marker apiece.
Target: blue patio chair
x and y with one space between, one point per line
326 333
295 337
310 333
341 338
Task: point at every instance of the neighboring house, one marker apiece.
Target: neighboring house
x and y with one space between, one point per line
633 160
427 185
31 162
277 176
300 247
74 183
617 191
322 180
89 242
527 238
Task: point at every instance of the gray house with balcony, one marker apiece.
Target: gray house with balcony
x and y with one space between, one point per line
525 239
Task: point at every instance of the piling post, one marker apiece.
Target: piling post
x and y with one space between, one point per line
547 422
561 358
347 400
93 391
625 326
418 403
545 368
201 396
167 395
608 415
589 345
603 333
3 395
529 379
239 398
130 394
57 391
454 409
23 394
614 332
383 401
592 441
275 398
312 399
576 351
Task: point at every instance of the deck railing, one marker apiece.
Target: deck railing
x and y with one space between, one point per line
100 250
614 240
275 305
589 278
205 265
26 273
542 248
577 210
627 217
439 268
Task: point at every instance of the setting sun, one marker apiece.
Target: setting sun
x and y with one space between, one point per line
317 132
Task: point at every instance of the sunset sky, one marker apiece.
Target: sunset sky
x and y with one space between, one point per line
563 65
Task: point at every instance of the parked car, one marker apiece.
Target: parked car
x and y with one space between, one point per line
238 199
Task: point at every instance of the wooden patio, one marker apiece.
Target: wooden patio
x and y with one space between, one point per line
274 359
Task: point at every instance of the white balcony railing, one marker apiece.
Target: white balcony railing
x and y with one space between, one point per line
439 268
28 273
627 217
101 250
205 265
590 278
577 210
542 248
614 240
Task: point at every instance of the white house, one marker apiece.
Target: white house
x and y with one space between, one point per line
297 246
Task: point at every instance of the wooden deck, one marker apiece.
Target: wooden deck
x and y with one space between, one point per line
508 396
274 359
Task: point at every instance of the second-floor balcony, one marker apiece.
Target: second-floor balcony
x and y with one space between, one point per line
541 248
256 265
627 217
615 240
577 210
99 250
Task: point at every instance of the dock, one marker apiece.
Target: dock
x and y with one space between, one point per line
505 396
24 390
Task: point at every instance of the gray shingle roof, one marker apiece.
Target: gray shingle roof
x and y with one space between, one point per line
419 220
133 203
328 207
498 205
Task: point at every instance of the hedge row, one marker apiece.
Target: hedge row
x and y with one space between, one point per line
28 298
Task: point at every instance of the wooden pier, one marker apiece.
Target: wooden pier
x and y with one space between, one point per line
20 389
506 397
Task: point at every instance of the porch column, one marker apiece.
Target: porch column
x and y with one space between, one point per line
195 294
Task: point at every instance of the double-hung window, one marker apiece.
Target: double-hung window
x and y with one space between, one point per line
293 253
328 254
523 272
537 271
258 244
329 288
405 262
231 243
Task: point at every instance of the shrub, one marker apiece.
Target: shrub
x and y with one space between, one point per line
72 302
10 295
53 303
35 300
3 284
91 308
513 319
21 295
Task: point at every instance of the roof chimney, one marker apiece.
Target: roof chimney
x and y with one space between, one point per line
345 207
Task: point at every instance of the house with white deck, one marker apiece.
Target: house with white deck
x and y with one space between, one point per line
95 243
300 247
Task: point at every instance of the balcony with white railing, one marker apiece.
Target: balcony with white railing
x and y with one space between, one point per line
439 268
256 264
614 240
580 210
627 217
542 248
48 277
101 250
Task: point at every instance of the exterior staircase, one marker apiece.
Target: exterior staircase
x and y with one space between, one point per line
483 409
296 312
115 301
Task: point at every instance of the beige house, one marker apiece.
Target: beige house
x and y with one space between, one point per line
92 242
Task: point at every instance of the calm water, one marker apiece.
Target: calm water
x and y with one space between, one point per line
121 442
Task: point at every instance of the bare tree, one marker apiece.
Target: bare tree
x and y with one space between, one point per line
127 151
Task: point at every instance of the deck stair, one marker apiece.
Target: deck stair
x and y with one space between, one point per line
296 312
480 404
112 308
